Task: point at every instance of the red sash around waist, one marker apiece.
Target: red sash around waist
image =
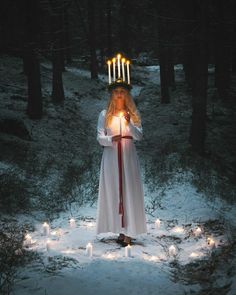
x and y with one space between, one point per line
121 204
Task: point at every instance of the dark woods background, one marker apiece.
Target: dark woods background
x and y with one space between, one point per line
193 33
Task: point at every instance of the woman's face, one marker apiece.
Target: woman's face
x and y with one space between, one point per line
118 95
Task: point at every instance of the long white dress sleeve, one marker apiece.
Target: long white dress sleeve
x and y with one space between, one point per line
103 139
108 217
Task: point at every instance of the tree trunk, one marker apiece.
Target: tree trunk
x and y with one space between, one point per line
57 82
124 31
67 37
199 100
30 60
92 40
163 56
222 54
35 105
109 42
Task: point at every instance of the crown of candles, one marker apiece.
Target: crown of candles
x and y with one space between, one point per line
118 72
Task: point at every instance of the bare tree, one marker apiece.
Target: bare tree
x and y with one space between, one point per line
199 99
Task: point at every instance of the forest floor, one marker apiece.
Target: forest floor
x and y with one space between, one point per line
58 165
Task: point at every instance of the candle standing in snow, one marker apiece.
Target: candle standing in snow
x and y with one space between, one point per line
211 242
72 223
46 229
172 250
157 223
48 245
89 250
28 240
128 251
197 231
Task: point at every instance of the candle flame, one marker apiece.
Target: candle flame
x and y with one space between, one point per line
108 62
127 62
120 114
123 60
118 55
114 59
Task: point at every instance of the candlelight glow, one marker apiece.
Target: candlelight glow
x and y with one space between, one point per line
158 223
120 114
211 242
178 229
195 255
172 250
198 231
109 62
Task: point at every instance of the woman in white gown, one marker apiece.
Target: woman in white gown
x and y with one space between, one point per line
120 198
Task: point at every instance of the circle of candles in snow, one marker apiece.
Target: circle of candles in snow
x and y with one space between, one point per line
72 223
172 250
157 223
46 229
89 250
128 251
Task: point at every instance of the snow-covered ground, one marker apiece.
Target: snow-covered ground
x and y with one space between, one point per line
185 254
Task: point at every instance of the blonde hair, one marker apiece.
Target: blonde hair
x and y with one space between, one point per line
130 107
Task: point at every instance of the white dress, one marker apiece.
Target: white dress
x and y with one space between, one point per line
108 217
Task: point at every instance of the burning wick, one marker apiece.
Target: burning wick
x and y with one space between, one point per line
72 223
158 223
172 250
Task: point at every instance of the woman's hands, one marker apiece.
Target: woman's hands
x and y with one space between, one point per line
127 116
116 137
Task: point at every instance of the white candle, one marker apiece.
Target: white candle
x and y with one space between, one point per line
89 250
109 71
157 223
120 115
123 68
114 68
118 64
28 240
198 231
72 223
128 74
46 229
172 250
128 251
48 245
211 242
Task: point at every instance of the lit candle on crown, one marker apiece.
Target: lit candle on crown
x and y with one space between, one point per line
128 73
114 68
123 68
118 64
109 71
